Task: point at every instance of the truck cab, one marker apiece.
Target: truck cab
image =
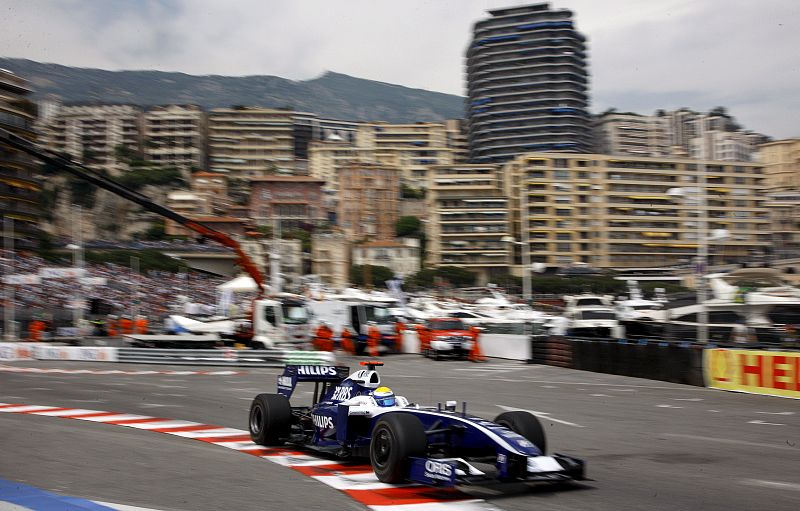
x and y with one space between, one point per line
282 320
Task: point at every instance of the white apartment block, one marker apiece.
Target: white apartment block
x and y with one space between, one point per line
631 134
402 258
174 135
722 146
250 142
91 134
468 218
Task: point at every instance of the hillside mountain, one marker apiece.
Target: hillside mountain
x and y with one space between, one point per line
332 95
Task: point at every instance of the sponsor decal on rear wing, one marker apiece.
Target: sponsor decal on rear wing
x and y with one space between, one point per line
294 374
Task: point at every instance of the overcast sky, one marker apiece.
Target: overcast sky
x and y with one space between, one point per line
644 54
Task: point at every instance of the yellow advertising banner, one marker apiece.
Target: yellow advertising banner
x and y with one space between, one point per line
774 373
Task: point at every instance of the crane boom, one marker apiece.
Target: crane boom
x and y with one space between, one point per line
96 178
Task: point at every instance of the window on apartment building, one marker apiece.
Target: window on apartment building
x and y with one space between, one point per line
563 212
584 246
583 175
561 174
560 163
739 180
564 247
563 236
582 163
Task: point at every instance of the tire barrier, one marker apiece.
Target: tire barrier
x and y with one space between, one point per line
652 360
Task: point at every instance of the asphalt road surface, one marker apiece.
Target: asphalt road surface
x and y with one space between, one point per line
648 445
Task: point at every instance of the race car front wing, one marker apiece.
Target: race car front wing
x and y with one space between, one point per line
444 472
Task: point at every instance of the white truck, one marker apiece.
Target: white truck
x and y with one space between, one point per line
355 315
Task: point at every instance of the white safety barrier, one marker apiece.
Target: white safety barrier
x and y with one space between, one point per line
508 346
12 351
81 353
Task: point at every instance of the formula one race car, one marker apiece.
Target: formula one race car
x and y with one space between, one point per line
355 416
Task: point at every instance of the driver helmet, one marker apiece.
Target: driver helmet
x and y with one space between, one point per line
384 396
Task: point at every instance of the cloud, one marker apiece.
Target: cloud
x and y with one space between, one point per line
643 55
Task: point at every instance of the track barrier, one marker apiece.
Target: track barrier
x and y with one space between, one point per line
211 357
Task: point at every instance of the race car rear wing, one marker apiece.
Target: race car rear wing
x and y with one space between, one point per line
294 374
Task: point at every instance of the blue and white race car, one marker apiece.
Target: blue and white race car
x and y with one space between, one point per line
354 416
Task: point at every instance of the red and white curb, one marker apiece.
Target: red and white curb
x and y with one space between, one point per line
11 369
356 480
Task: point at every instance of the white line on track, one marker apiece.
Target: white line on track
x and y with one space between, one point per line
543 415
730 441
763 423
688 399
772 484
668 406
156 405
777 413
600 395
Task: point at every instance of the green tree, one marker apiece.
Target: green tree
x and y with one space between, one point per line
408 226
378 275
457 276
155 232
408 192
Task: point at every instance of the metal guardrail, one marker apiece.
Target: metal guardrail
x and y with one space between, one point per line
224 357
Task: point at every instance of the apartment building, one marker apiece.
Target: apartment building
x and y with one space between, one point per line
724 146
188 204
628 133
784 211
327 158
308 128
330 258
400 257
249 142
368 201
468 219
527 84
19 190
94 134
294 201
411 147
781 162
174 135
616 212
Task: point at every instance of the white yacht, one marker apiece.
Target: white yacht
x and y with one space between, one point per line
756 297
591 315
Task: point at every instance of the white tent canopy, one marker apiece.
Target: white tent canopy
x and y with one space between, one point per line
241 284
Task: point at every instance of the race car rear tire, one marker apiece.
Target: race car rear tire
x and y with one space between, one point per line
395 438
525 424
270 419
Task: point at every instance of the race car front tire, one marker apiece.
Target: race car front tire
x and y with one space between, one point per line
525 424
396 438
270 419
